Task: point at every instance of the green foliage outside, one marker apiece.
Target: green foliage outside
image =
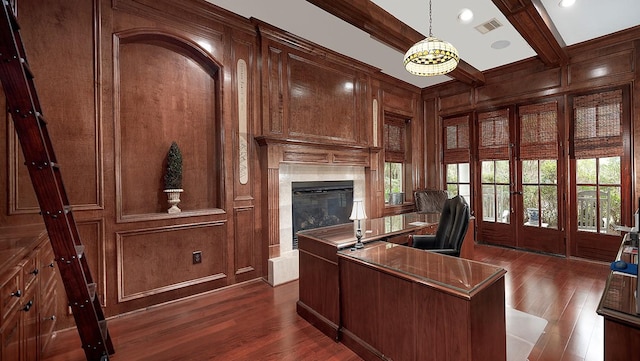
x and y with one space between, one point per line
392 179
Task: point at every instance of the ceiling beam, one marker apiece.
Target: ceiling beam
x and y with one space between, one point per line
384 27
532 21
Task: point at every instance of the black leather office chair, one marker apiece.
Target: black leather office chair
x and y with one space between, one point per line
454 222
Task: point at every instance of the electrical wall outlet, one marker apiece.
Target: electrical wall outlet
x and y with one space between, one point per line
197 257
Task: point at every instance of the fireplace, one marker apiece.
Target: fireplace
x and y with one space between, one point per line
320 204
284 268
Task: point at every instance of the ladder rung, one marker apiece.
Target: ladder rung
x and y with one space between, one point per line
26 68
92 290
55 214
41 118
42 164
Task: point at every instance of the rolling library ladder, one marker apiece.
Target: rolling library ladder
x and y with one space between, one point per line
24 107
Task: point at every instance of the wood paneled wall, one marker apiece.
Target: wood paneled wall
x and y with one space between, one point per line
119 80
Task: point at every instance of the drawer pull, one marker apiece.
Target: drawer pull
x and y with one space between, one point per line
35 272
17 293
27 307
51 265
52 318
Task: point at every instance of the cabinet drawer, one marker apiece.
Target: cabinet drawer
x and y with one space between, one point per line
10 292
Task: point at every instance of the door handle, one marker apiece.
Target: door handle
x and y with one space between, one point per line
516 193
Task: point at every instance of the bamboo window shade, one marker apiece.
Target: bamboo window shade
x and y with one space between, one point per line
539 131
456 140
597 125
494 135
394 139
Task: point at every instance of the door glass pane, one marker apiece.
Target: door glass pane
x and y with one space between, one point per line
488 203
502 171
531 208
586 171
549 206
452 173
464 173
609 170
503 203
549 172
487 171
586 208
529 171
610 209
465 191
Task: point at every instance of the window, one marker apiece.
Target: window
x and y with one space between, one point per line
597 148
456 157
395 146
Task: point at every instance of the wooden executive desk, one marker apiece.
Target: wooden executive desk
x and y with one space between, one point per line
322 280
400 303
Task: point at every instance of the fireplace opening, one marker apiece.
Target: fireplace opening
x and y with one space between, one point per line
320 204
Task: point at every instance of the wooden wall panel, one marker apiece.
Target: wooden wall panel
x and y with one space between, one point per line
246 246
455 101
322 101
273 90
609 65
152 261
65 80
526 84
165 95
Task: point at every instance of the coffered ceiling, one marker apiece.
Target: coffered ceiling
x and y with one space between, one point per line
378 32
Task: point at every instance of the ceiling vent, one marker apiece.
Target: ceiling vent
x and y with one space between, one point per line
488 26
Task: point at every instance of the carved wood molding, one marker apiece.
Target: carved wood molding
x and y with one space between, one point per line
372 19
532 21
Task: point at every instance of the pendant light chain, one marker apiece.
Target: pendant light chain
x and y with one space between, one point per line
430 20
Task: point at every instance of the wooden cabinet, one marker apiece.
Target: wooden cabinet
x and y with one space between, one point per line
27 292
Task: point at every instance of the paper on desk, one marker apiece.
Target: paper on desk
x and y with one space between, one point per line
418 223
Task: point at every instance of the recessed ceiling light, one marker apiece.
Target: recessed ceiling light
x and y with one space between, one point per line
500 44
566 3
465 16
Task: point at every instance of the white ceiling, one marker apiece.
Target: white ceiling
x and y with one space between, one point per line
586 20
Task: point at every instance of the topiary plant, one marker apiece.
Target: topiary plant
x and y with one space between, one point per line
173 175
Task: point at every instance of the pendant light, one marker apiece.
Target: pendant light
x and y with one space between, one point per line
431 56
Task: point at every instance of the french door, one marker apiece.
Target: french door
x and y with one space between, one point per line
519 183
600 158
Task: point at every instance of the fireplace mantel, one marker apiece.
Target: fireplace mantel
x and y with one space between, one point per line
276 152
298 151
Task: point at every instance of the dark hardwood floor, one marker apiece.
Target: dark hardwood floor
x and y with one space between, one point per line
255 321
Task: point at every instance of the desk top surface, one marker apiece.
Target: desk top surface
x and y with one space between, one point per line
16 242
454 275
343 235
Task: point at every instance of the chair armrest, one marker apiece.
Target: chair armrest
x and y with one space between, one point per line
447 251
424 241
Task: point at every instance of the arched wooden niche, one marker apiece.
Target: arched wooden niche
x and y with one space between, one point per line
166 89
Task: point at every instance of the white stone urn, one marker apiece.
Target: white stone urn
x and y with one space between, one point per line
173 198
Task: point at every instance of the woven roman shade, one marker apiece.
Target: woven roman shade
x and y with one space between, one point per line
394 140
456 140
597 128
539 131
494 135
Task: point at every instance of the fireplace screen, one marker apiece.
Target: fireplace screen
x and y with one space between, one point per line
320 204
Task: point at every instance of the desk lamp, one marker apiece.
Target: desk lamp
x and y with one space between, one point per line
357 214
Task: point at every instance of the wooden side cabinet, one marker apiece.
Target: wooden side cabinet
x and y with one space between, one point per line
27 292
